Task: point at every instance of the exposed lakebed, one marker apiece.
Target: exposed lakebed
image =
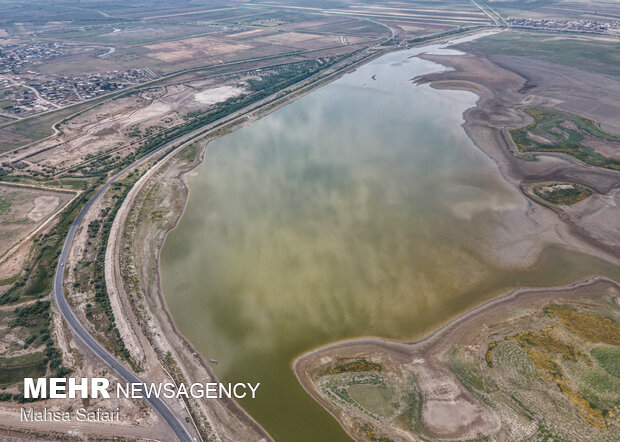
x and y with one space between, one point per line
361 209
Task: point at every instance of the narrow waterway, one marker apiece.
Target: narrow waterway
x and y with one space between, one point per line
361 209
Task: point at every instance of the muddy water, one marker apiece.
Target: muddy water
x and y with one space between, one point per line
360 209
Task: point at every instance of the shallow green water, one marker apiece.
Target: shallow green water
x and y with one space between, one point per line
360 209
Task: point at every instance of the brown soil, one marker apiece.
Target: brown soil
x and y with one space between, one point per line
195 47
27 209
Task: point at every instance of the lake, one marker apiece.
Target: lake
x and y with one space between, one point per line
361 209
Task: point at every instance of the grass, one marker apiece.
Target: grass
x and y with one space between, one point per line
371 433
354 367
564 194
22 361
596 56
35 318
139 33
5 205
565 133
608 358
467 372
37 127
546 342
376 399
14 370
488 356
552 351
508 353
596 385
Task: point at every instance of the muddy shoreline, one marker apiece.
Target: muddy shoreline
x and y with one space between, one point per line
499 107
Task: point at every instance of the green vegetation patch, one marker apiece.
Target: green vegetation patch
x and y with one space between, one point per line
596 385
563 132
564 194
546 342
14 370
608 358
371 433
354 367
375 398
5 205
488 356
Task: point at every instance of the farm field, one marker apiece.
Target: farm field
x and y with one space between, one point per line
22 209
601 55
556 9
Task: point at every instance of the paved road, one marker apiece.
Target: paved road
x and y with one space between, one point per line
58 296
497 19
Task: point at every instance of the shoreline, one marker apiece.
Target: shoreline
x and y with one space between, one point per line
165 334
182 177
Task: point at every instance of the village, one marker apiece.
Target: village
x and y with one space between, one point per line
25 92
595 27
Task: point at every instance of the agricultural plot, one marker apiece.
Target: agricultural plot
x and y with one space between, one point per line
556 9
596 55
128 34
296 40
420 14
338 26
192 48
560 132
22 209
225 14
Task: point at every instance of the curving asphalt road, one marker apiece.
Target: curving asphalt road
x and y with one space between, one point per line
78 329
